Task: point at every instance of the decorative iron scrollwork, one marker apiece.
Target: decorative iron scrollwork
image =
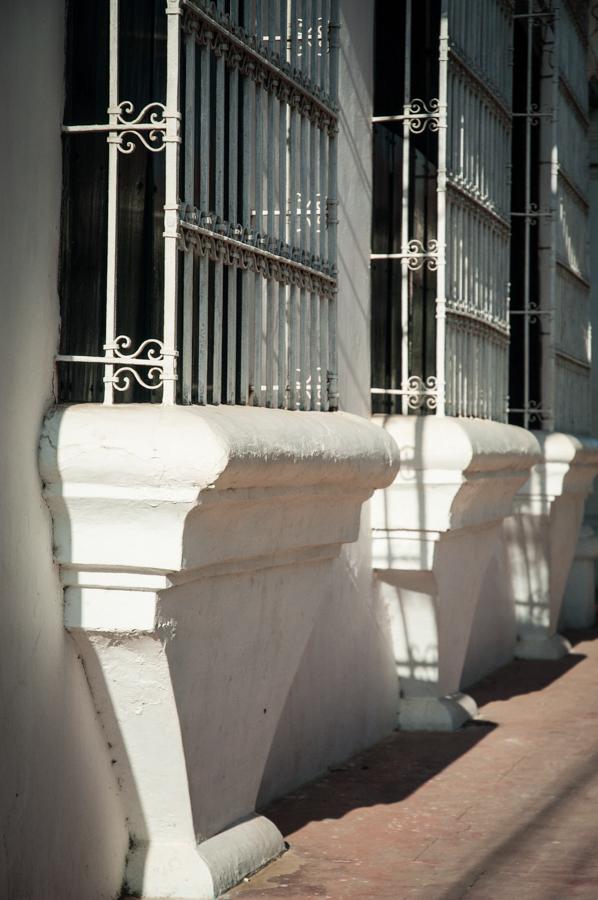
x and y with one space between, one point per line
415 255
234 245
150 131
419 116
150 355
420 393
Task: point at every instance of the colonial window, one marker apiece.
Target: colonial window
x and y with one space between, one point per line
550 315
199 205
441 229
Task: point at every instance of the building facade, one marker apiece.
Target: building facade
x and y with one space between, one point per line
208 205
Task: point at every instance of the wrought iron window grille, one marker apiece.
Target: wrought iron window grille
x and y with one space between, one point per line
441 224
248 132
550 362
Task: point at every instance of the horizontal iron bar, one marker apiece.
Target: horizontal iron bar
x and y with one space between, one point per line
499 327
327 281
534 15
422 392
573 360
532 215
562 264
293 79
422 255
409 117
489 90
465 196
141 126
112 360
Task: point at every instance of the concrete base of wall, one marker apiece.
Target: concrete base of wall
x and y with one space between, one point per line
554 647
240 851
436 713
206 870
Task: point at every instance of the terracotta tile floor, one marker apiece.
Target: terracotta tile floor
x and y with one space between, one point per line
505 808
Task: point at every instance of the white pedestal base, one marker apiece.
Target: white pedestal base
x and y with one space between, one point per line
436 713
168 871
240 851
185 871
554 647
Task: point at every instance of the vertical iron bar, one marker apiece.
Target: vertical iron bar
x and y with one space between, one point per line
294 116
333 43
271 203
113 142
219 210
303 319
282 218
303 189
204 203
441 204
405 236
526 219
323 171
313 237
233 149
171 208
549 231
189 197
259 207
248 87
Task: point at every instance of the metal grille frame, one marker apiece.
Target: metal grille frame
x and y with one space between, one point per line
249 137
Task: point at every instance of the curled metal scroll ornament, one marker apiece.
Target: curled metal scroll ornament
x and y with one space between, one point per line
532 211
421 116
415 255
123 378
533 310
143 365
420 393
148 126
535 413
152 347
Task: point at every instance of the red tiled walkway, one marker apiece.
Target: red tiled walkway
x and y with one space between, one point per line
505 808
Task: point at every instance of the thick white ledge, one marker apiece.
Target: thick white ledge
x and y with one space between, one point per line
435 531
454 474
541 537
161 489
195 548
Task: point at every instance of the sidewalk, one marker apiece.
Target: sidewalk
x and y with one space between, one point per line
505 808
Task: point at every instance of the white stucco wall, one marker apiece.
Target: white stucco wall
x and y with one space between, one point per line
63 836
494 629
592 504
344 696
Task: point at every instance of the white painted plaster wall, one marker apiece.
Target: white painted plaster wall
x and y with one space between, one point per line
63 837
494 629
63 832
344 696
592 504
